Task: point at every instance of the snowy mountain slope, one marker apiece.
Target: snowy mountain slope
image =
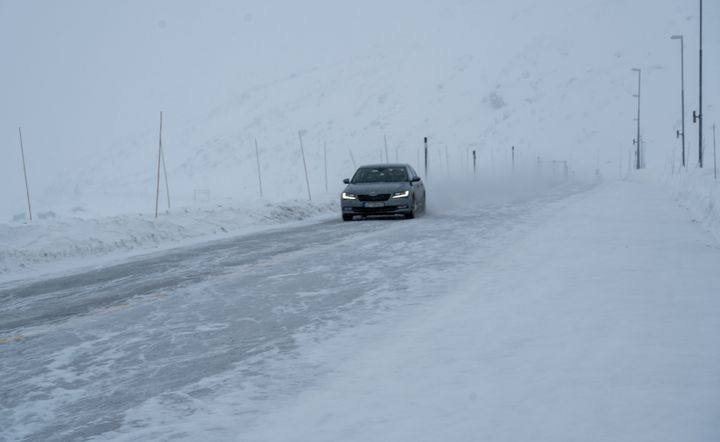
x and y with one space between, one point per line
552 79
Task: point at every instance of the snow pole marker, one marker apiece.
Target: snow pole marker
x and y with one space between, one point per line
257 160
474 163
714 154
302 151
157 190
426 157
27 188
167 186
325 161
387 157
352 158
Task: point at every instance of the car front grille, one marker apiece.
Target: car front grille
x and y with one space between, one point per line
375 210
381 197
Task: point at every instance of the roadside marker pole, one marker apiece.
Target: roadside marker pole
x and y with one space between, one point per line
387 157
426 158
167 186
27 189
714 154
157 191
352 158
513 160
325 159
257 160
474 163
302 151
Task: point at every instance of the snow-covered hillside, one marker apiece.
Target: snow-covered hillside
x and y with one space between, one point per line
87 82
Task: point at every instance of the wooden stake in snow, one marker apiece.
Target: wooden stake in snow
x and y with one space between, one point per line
325 160
27 188
352 158
257 158
167 187
426 158
157 191
714 154
302 151
387 157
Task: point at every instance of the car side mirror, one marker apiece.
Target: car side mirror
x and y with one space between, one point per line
346 181
415 179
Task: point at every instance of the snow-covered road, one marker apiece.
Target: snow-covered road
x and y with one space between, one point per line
556 314
82 351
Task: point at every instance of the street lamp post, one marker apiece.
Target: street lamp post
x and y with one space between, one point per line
697 118
637 139
682 93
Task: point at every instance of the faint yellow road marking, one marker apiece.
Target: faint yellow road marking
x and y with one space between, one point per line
11 339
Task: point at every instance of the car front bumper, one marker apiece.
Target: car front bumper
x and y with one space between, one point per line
399 206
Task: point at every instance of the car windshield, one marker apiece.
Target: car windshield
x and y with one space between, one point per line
380 175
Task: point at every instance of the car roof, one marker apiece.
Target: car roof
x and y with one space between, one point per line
369 166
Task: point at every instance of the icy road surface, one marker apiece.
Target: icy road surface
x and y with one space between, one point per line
166 331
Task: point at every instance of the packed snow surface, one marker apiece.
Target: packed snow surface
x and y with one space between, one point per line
559 312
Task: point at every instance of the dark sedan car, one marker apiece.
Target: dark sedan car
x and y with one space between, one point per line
383 189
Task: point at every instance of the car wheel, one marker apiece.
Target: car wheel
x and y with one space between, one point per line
413 209
347 217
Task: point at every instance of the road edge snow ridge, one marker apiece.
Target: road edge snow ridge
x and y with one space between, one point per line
60 242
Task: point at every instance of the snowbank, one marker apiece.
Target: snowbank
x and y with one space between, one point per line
699 192
56 243
695 189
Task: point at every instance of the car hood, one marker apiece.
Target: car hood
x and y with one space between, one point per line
377 188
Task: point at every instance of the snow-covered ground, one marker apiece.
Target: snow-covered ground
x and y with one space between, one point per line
520 307
599 325
68 242
699 192
561 313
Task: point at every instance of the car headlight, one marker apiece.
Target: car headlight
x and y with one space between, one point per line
403 194
349 196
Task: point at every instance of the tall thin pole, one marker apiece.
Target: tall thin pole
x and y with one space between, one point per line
27 188
637 138
257 160
513 159
426 158
700 115
157 191
302 151
714 154
682 94
447 160
167 186
352 158
325 161
682 91
387 156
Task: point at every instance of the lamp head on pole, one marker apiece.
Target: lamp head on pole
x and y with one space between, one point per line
676 37
636 70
